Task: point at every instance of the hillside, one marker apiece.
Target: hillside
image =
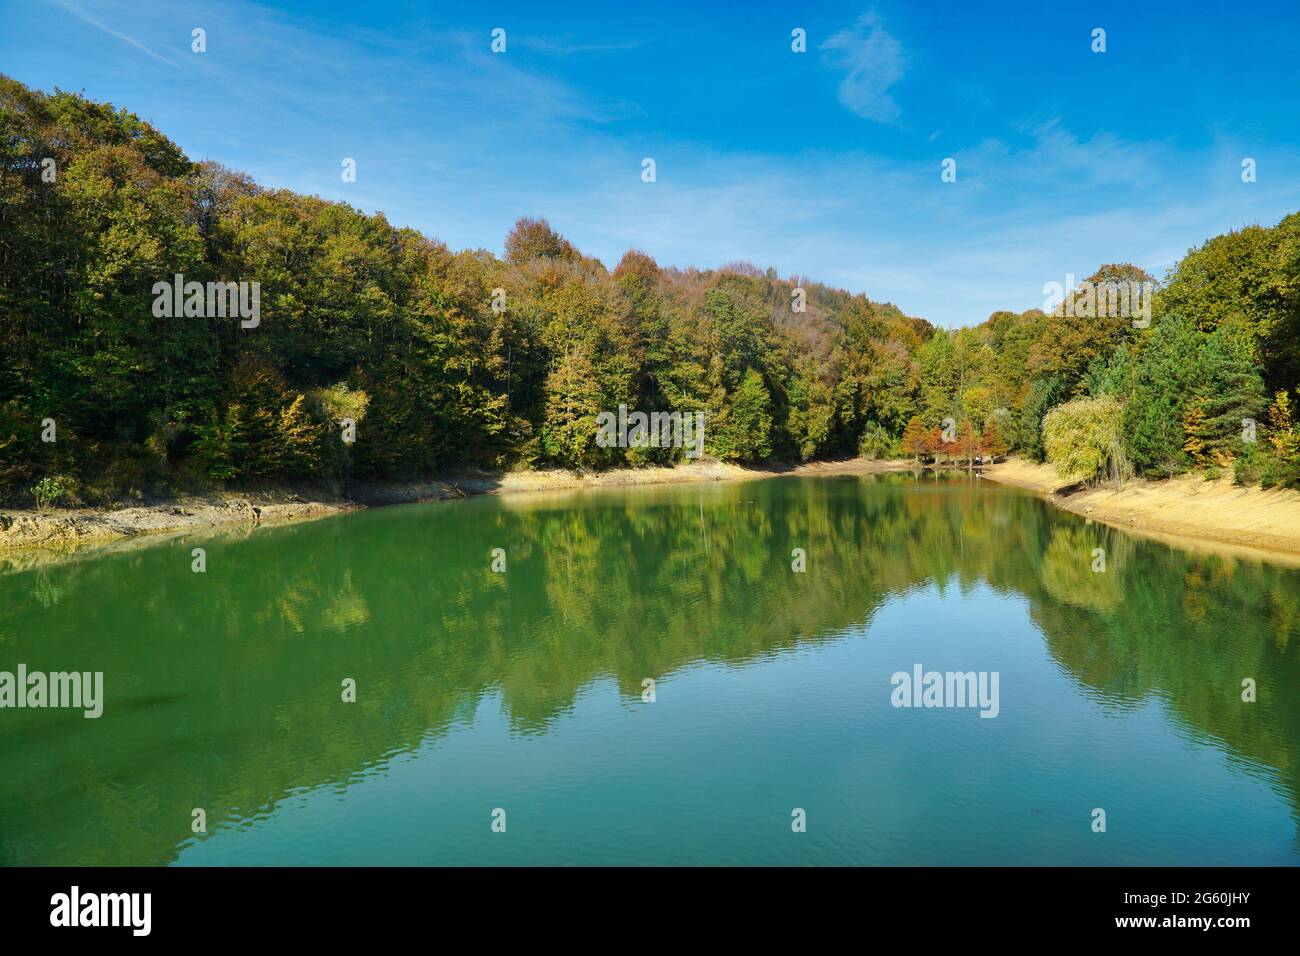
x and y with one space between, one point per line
169 326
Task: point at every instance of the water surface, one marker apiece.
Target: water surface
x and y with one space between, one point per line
522 690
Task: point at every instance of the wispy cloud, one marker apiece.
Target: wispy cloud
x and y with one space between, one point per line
565 46
873 61
82 15
1058 159
1061 203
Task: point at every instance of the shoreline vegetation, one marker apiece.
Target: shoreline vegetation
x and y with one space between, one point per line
1184 510
72 528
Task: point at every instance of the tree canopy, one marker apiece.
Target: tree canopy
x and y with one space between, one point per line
439 358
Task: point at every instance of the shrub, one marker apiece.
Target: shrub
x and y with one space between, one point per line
50 490
876 442
1248 467
1083 441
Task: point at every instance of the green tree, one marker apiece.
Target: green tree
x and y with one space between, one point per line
1083 440
1043 395
745 430
573 400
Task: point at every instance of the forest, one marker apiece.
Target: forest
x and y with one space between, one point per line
441 359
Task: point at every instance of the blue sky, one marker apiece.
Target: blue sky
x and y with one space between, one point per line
823 164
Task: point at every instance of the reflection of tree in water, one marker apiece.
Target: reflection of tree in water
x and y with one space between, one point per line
227 683
1188 630
1074 574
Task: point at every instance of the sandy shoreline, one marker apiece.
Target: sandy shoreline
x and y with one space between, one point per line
1186 507
64 530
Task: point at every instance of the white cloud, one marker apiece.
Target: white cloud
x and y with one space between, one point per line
873 61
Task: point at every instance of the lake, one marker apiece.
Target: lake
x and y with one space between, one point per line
774 698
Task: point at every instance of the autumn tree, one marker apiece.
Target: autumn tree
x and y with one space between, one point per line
916 438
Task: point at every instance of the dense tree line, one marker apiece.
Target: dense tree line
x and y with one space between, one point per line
443 358
1205 382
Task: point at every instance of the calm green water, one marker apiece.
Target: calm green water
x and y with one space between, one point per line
522 691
